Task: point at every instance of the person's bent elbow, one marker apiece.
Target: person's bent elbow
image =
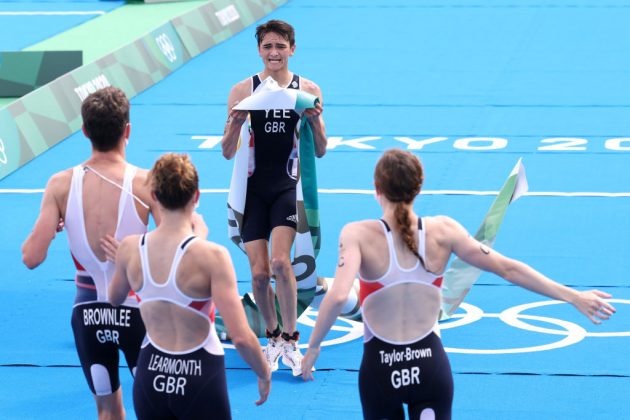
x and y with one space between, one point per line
337 300
227 155
115 295
32 261
115 299
320 153
30 258
227 152
240 341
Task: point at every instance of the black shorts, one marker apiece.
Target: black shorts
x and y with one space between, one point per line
100 330
417 374
180 386
268 207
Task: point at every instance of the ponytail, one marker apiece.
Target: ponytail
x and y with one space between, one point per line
402 218
398 176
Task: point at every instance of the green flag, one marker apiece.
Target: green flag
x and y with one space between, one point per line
460 276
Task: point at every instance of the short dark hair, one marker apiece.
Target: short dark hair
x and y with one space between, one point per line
105 115
279 27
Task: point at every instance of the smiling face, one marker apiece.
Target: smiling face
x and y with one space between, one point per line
275 51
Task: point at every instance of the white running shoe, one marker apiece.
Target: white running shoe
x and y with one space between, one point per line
291 357
272 353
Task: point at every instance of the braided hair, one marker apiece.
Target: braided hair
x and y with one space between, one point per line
398 176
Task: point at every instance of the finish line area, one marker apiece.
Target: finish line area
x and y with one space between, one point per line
469 88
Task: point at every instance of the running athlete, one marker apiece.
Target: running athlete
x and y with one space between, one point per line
270 209
178 279
103 197
400 260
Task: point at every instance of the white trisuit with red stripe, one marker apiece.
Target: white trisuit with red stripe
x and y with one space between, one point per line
100 330
403 358
188 384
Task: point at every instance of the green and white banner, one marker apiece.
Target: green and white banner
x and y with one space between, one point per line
460 276
34 123
48 115
164 1
219 20
22 72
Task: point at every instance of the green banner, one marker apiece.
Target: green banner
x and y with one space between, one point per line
165 1
22 72
219 20
34 123
50 114
461 276
9 142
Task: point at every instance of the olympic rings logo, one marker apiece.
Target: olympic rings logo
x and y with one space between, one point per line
571 332
166 46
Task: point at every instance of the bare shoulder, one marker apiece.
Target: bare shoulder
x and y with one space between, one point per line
142 188
127 246
211 252
361 228
142 174
310 87
441 221
130 240
59 185
61 179
140 179
216 249
240 90
444 228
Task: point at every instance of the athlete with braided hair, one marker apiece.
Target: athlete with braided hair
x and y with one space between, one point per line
403 358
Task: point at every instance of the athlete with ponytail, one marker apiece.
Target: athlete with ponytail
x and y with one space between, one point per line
400 260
